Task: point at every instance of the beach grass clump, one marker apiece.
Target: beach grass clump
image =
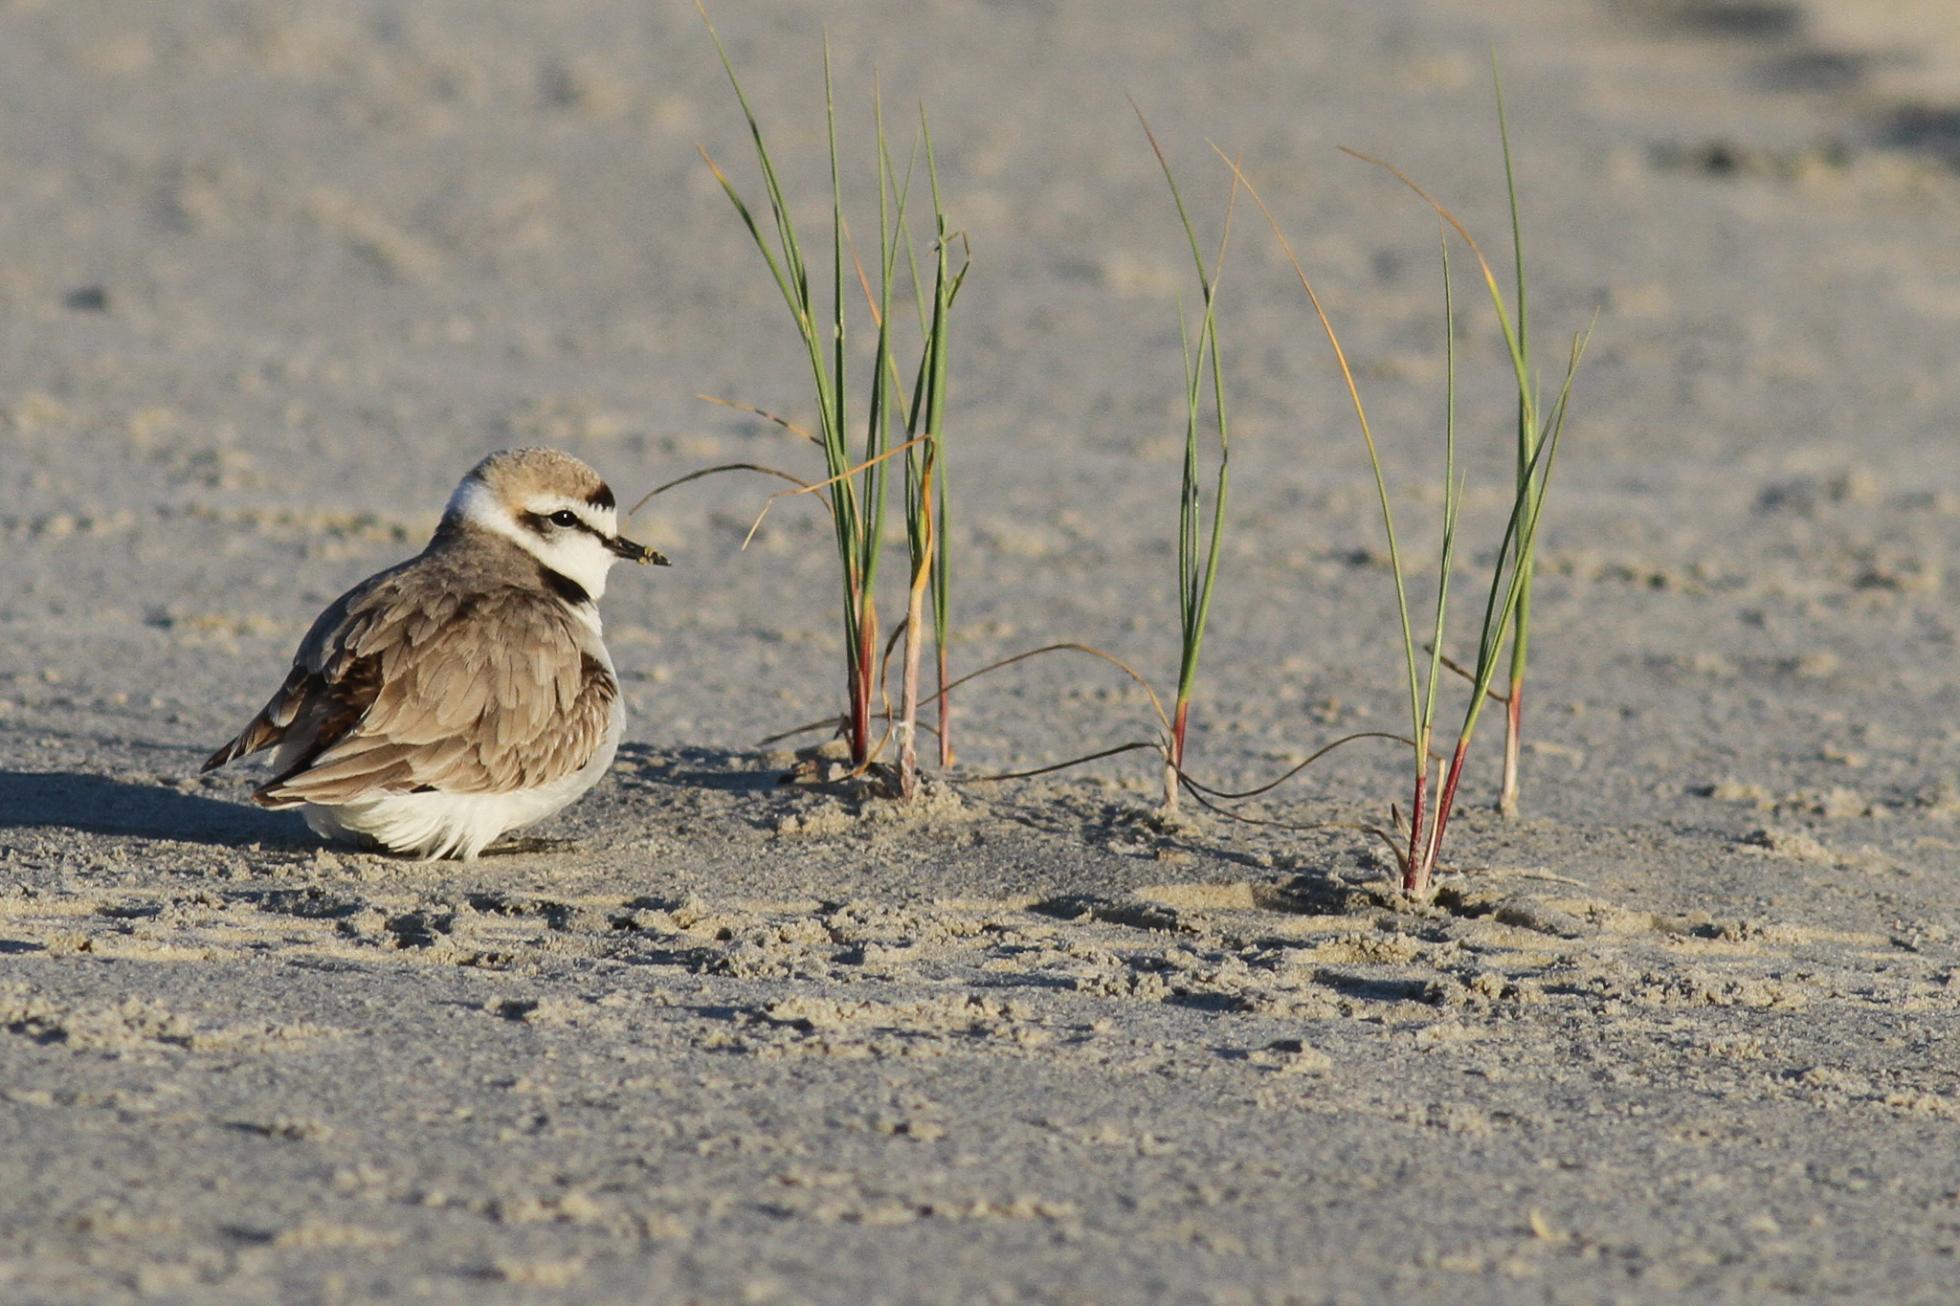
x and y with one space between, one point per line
1418 847
1537 424
857 467
1200 529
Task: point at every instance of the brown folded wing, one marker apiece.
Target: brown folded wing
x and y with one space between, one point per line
479 692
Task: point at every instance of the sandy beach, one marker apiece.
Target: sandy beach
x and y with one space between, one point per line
273 276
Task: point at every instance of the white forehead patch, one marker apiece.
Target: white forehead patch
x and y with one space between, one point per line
474 503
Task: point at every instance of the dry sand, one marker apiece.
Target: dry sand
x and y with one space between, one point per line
272 275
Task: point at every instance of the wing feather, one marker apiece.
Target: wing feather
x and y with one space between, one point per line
331 682
476 693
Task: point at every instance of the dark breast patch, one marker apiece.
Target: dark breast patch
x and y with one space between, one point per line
563 586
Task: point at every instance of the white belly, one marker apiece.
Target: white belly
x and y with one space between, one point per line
437 824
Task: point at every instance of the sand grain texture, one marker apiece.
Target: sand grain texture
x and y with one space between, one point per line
272 277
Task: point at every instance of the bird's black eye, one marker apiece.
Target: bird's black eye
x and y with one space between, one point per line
564 517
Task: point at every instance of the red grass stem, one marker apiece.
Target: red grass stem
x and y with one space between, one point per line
862 674
1174 762
1418 855
1416 880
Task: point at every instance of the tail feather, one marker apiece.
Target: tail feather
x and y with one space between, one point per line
260 734
269 727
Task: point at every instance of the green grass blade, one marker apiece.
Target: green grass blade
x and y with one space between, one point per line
1452 499
793 272
1197 578
1220 415
877 435
1520 365
945 289
839 330
755 232
1220 491
792 279
938 332
1528 432
1187 494
1520 535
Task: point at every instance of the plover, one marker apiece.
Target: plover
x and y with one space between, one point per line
465 693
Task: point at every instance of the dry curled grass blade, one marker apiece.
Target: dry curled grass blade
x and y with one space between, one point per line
839 723
762 468
1495 694
1135 746
812 487
1271 785
764 414
1156 703
1274 823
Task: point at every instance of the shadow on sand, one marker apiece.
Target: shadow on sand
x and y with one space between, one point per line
98 805
699 768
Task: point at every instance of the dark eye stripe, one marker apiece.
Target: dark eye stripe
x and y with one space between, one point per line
539 523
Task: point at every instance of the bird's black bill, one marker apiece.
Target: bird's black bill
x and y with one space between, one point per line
639 553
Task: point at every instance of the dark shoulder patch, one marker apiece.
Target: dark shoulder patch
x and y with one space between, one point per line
563 586
593 672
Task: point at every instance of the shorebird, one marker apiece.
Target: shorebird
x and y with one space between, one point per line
465 693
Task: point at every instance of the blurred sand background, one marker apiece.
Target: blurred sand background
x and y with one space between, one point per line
273 275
